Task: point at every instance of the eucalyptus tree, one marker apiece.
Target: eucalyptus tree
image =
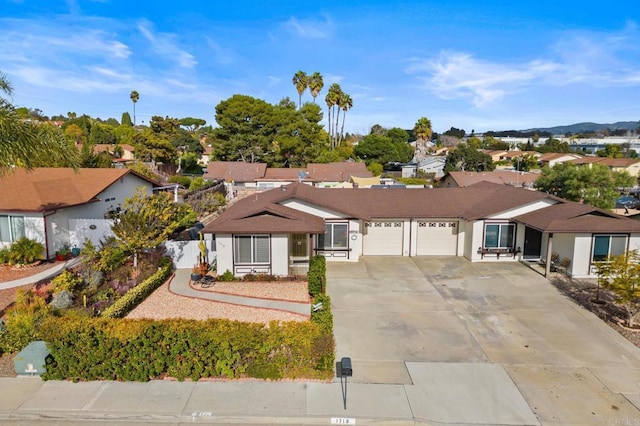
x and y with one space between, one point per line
301 82
316 83
135 96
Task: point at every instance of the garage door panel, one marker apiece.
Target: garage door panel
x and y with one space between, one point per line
383 238
437 238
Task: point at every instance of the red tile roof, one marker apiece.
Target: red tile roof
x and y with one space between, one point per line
44 188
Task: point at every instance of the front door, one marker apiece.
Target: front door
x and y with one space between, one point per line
532 243
299 247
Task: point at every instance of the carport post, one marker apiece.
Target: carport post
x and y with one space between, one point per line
547 265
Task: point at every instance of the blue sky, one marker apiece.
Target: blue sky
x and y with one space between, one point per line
490 65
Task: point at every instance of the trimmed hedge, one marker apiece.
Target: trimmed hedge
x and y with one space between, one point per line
317 275
323 317
142 350
137 294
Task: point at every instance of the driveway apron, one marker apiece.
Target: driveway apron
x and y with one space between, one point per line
487 343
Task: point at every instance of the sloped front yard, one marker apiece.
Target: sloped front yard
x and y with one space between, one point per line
163 304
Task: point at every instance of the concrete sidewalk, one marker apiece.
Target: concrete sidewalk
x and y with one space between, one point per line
180 286
430 400
44 275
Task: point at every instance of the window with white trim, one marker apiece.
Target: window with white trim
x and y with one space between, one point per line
608 245
251 249
336 236
499 235
11 228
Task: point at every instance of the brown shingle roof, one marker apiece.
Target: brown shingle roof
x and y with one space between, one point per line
336 172
377 203
266 212
576 217
504 177
286 174
267 219
238 171
44 188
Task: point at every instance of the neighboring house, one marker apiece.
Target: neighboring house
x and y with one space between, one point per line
62 206
257 175
431 164
504 177
206 156
629 165
238 172
495 155
552 158
511 155
277 231
120 153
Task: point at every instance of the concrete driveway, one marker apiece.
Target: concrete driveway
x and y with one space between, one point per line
481 343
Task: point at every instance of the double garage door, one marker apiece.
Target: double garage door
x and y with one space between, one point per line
434 238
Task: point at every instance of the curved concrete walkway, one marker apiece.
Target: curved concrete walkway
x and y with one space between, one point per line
44 275
180 286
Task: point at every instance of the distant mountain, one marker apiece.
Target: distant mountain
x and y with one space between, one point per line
586 127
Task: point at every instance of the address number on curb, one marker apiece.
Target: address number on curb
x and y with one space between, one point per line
342 421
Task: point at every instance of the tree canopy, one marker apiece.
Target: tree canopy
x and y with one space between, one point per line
384 148
595 185
467 158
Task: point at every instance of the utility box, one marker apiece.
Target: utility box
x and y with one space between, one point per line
31 360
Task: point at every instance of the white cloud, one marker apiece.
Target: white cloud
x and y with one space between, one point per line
164 44
273 81
460 75
312 29
585 58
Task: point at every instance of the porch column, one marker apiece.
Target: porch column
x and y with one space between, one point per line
547 265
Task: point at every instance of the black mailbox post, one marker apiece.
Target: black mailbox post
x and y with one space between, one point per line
347 370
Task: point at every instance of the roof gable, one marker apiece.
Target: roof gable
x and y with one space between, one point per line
43 189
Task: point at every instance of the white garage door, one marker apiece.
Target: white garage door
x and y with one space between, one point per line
382 238
437 238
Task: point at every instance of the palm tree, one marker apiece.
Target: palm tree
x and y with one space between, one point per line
5 86
28 145
301 82
332 100
422 129
316 84
423 132
134 98
345 103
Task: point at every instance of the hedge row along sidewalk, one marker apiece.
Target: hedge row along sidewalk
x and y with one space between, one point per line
142 350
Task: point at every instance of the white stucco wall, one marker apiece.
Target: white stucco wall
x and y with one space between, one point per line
537 205
355 240
280 254
564 244
111 198
314 210
474 240
580 256
95 230
224 252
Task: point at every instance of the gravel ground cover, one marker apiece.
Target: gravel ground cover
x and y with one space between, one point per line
163 304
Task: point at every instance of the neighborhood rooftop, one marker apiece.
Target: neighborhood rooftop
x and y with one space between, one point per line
42 189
